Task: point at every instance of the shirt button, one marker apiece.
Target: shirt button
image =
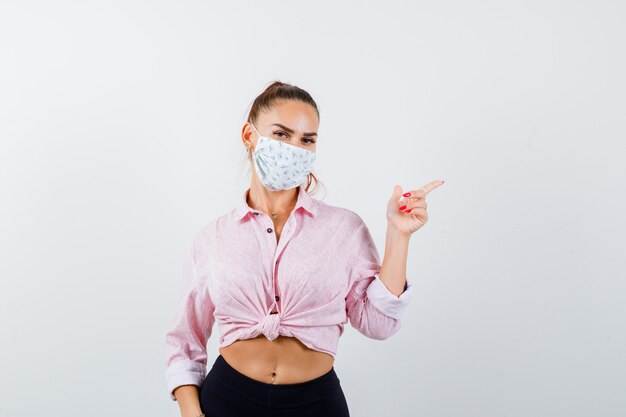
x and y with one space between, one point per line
269 230
276 298
255 213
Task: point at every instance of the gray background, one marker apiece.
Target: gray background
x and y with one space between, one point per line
120 137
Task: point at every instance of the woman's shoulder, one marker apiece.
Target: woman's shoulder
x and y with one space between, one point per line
213 225
204 234
346 216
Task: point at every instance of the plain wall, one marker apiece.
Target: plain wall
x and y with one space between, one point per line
120 127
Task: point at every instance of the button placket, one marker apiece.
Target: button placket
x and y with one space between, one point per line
286 236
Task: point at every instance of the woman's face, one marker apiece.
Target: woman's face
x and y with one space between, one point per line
290 121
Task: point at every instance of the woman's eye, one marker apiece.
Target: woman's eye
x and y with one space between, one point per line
284 135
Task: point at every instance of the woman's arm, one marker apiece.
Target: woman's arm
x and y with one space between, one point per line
188 333
371 306
393 269
380 293
188 400
404 217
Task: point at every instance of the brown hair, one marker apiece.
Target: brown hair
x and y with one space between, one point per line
276 92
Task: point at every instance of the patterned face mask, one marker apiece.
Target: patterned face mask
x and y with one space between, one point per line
280 165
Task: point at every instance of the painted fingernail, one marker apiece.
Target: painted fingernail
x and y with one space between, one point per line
402 208
406 194
408 211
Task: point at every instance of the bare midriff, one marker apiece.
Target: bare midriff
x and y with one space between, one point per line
285 360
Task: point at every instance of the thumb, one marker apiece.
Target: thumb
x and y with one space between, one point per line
397 192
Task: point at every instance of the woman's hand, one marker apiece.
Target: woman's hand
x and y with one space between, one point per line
406 212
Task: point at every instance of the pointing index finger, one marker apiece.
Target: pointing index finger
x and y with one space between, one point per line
431 186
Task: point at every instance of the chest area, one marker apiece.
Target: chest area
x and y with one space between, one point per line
300 264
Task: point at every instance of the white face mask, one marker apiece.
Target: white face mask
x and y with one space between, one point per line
280 165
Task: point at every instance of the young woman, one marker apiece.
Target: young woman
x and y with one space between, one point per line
281 274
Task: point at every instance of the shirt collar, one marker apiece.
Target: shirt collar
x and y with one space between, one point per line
304 200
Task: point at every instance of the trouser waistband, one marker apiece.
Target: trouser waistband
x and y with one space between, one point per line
285 395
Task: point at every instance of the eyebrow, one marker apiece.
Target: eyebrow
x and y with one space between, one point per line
292 131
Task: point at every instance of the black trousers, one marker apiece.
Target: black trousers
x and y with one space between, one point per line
225 392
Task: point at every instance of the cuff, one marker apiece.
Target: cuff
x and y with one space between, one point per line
387 302
184 372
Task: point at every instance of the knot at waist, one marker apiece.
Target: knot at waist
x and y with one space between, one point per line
269 326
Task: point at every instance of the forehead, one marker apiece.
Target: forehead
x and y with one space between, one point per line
294 114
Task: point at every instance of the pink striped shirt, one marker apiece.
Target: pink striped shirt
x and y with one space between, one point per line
322 272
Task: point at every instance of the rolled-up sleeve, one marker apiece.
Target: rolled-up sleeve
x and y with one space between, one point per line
185 340
371 308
